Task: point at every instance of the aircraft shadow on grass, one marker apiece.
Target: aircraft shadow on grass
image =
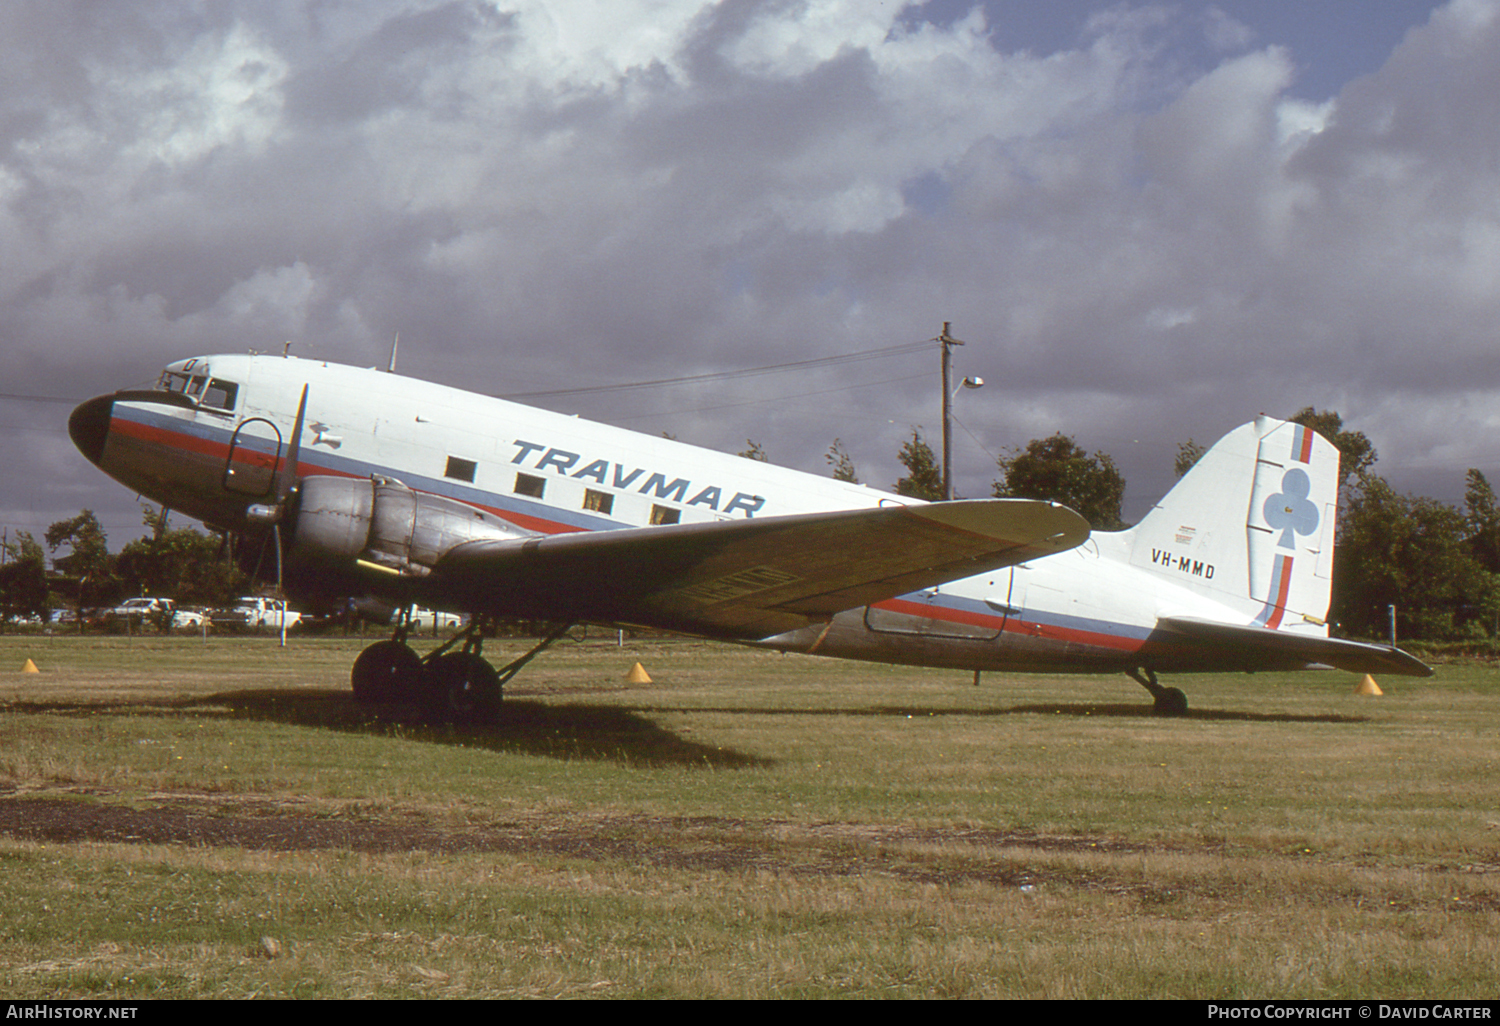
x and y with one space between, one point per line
605 733
602 733
1080 709
613 731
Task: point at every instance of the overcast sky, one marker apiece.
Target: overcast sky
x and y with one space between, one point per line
1148 221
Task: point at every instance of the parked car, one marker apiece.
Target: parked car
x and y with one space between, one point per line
423 619
253 613
151 613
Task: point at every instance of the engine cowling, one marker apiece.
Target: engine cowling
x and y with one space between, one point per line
338 521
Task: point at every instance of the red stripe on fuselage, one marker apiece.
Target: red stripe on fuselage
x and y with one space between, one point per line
169 439
184 442
1012 625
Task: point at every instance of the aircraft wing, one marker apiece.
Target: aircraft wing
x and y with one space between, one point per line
1353 656
750 578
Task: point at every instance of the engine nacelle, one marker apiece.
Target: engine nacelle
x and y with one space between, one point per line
380 521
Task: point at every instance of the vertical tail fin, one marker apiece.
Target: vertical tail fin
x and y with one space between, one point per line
1251 526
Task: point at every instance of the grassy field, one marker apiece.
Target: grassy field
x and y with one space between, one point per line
184 818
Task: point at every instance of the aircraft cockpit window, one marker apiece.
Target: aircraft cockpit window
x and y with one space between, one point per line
195 387
220 395
172 382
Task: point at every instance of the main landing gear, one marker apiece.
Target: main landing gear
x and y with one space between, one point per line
1169 701
448 686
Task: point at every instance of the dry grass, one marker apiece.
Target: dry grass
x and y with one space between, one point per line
747 826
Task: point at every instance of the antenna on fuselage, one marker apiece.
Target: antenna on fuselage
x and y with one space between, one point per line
286 348
390 368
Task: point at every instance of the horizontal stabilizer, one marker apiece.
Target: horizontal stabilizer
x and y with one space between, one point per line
1353 656
755 577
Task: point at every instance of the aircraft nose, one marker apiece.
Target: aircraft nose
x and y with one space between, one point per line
89 426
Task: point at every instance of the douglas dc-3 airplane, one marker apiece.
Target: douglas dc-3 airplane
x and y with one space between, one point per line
365 483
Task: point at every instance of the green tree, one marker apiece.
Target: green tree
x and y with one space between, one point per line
1058 469
1356 453
1188 454
1484 521
841 462
754 451
23 579
1411 552
1483 515
182 564
924 478
87 565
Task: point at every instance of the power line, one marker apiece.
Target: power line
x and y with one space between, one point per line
772 399
825 361
903 349
14 397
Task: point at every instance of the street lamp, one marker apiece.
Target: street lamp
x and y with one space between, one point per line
948 342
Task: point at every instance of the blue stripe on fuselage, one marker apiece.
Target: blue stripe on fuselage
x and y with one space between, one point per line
333 463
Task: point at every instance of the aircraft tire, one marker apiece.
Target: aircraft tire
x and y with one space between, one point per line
1171 702
461 687
386 671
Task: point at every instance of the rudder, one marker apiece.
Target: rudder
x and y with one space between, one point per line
1251 526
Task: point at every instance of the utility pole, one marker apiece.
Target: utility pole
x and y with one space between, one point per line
948 342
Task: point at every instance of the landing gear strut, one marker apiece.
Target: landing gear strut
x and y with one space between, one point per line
1168 701
449 686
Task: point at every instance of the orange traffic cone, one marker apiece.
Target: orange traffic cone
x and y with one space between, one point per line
1367 686
30 667
638 675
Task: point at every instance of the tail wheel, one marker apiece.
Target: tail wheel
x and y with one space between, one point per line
386 671
461 687
1171 702
1165 701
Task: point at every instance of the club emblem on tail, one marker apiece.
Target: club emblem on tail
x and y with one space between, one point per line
1289 510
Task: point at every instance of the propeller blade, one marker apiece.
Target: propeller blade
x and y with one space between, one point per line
260 558
280 591
287 476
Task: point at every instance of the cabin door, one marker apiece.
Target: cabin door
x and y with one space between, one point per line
254 452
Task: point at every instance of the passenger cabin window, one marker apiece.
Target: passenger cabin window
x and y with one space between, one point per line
220 395
665 515
526 484
599 502
460 469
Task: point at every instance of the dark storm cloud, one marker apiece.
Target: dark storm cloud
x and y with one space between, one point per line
385 68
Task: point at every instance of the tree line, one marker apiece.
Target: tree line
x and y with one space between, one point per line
180 563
